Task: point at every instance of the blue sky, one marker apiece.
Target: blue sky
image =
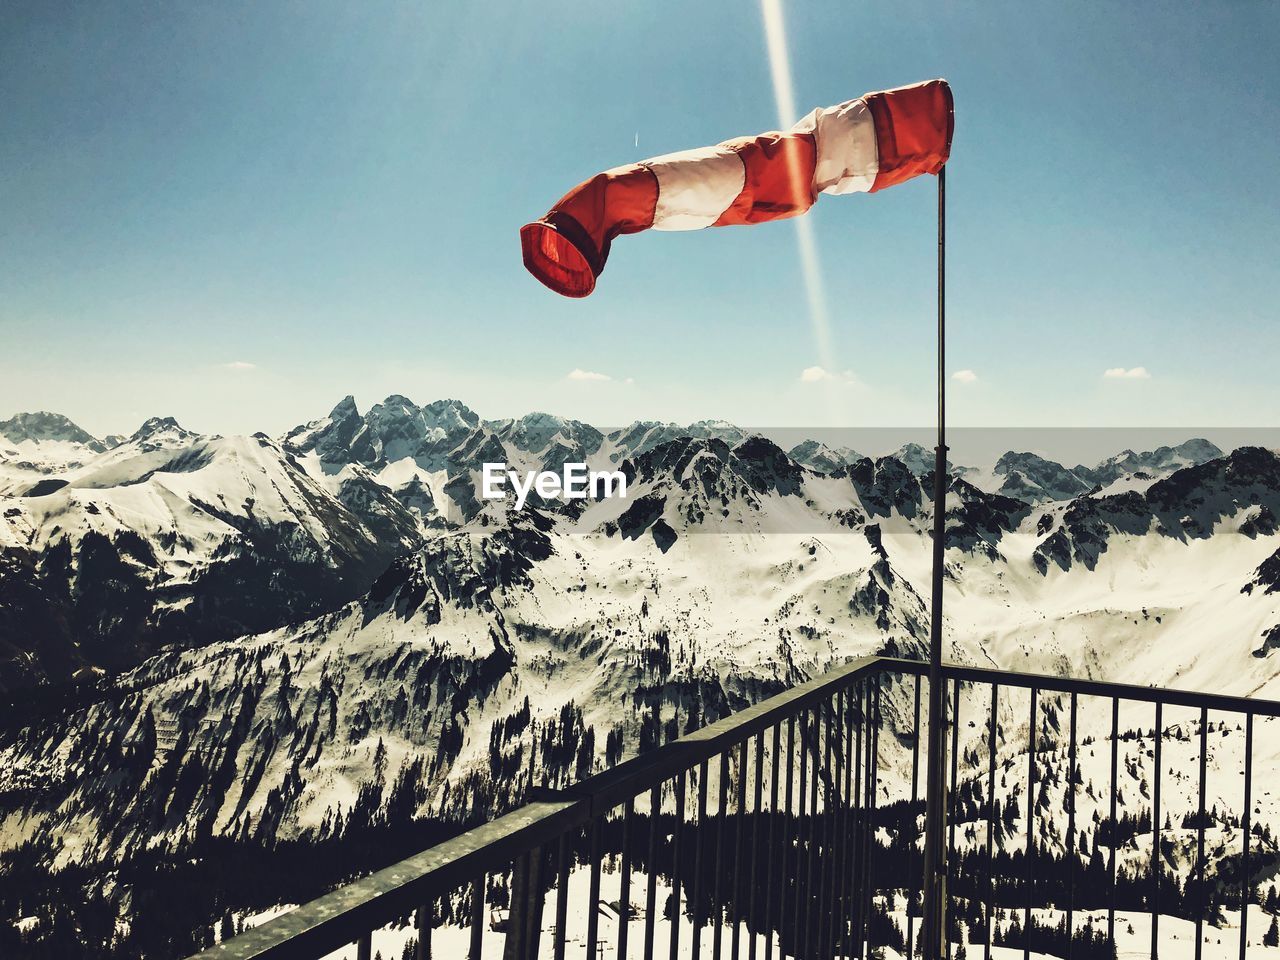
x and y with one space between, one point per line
236 213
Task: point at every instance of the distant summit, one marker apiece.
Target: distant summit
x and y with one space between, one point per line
918 459
816 455
43 426
157 428
1161 460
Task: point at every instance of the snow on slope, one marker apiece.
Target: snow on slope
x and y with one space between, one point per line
34 446
609 628
575 634
455 640
172 536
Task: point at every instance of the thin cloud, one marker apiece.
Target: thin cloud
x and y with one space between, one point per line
577 373
1120 373
965 376
240 365
822 374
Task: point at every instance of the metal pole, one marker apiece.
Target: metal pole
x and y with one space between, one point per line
933 923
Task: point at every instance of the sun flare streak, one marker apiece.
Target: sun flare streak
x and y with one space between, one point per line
775 34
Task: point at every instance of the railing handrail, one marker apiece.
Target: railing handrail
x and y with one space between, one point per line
1169 696
347 912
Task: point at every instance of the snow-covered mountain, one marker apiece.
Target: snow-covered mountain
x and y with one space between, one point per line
393 430
1035 479
916 458
35 445
45 427
327 634
175 537
818 456
1154 463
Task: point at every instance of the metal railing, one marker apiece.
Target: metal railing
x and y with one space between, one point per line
793 828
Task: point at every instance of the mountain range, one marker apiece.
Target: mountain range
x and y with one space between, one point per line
294 639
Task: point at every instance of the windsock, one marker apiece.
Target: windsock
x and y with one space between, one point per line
859 146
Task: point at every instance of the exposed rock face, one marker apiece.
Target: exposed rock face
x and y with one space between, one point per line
1267 576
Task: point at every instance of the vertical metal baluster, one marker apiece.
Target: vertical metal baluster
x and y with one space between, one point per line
845 821
842 825
717 895
593 891
651 870
873 782
1071 832
991 815
425 922
1115 787
1204 898
859 816
364 946
1155 837
823 922
811 859
954 793
562 898
753 871
695 902
801 834
861 784
953 797
676 832
515 936
477 917
915 798
835 815
624 888
788 874
775 861
1246 886
740 802
1031 822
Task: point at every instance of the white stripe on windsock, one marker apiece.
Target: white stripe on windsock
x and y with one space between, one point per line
695 186
848 159
864 145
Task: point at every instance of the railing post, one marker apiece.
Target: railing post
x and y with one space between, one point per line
524 923
425 920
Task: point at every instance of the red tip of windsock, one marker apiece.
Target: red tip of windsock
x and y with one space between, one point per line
567 249
552 257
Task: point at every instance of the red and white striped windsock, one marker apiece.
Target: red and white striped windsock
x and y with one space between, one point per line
862 145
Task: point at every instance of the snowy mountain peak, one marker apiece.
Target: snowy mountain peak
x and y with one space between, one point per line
45 426
816 455
392 430
1031 477
546 433
1198 447
917 458
717 429
1162 460
451 414
157 429
344 409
